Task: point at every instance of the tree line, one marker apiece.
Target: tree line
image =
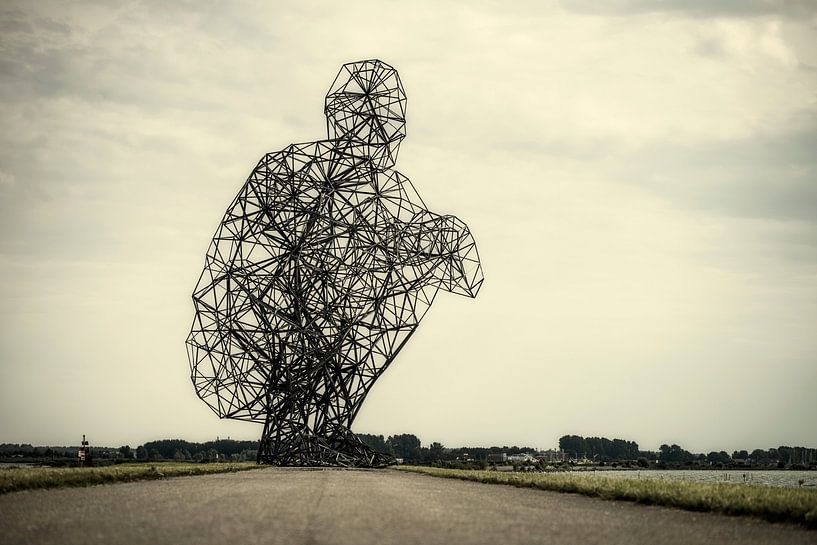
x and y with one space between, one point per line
163 449
599 447
603 449
410 449
181 450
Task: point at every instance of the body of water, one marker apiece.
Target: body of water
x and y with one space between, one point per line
758 477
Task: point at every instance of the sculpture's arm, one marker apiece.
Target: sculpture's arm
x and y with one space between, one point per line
442 247
427 247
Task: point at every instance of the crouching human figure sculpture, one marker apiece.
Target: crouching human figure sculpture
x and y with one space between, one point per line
320 271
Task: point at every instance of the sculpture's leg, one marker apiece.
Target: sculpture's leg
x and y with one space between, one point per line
347 448
289 440
300 446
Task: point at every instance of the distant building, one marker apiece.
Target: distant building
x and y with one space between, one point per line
497 457
551 456
521 457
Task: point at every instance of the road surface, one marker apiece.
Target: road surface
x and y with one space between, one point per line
335 507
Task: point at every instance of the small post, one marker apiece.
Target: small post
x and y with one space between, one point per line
84 455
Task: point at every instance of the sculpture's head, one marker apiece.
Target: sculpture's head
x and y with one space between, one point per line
366 105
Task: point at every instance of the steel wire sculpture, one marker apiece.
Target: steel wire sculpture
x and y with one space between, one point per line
320 271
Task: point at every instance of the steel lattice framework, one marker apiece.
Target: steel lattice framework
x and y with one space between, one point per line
320 271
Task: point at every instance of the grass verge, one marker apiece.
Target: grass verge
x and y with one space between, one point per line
14 479
770 503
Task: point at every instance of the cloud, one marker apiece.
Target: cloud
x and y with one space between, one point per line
746 44
7 179
695 8
772 176
641 190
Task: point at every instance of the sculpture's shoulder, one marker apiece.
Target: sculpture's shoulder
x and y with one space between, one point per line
399 195
291 171
292 159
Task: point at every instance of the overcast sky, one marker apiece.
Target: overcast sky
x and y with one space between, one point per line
641 182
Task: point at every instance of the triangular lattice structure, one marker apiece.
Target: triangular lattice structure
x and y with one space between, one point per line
320 271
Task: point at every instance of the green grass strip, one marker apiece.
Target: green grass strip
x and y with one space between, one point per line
14 479
770 503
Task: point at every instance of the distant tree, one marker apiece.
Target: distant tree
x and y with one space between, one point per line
376 442
675 454
405 446
624 450
228 447
718 457
785 454
740 455
168 447
759 456
141 453
476 453
126 452
573 445
436 451
600 448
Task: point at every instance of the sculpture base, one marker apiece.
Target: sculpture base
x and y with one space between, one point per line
309 450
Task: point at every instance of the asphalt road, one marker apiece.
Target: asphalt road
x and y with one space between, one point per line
334 507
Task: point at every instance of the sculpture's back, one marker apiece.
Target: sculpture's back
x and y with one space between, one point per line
320 271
